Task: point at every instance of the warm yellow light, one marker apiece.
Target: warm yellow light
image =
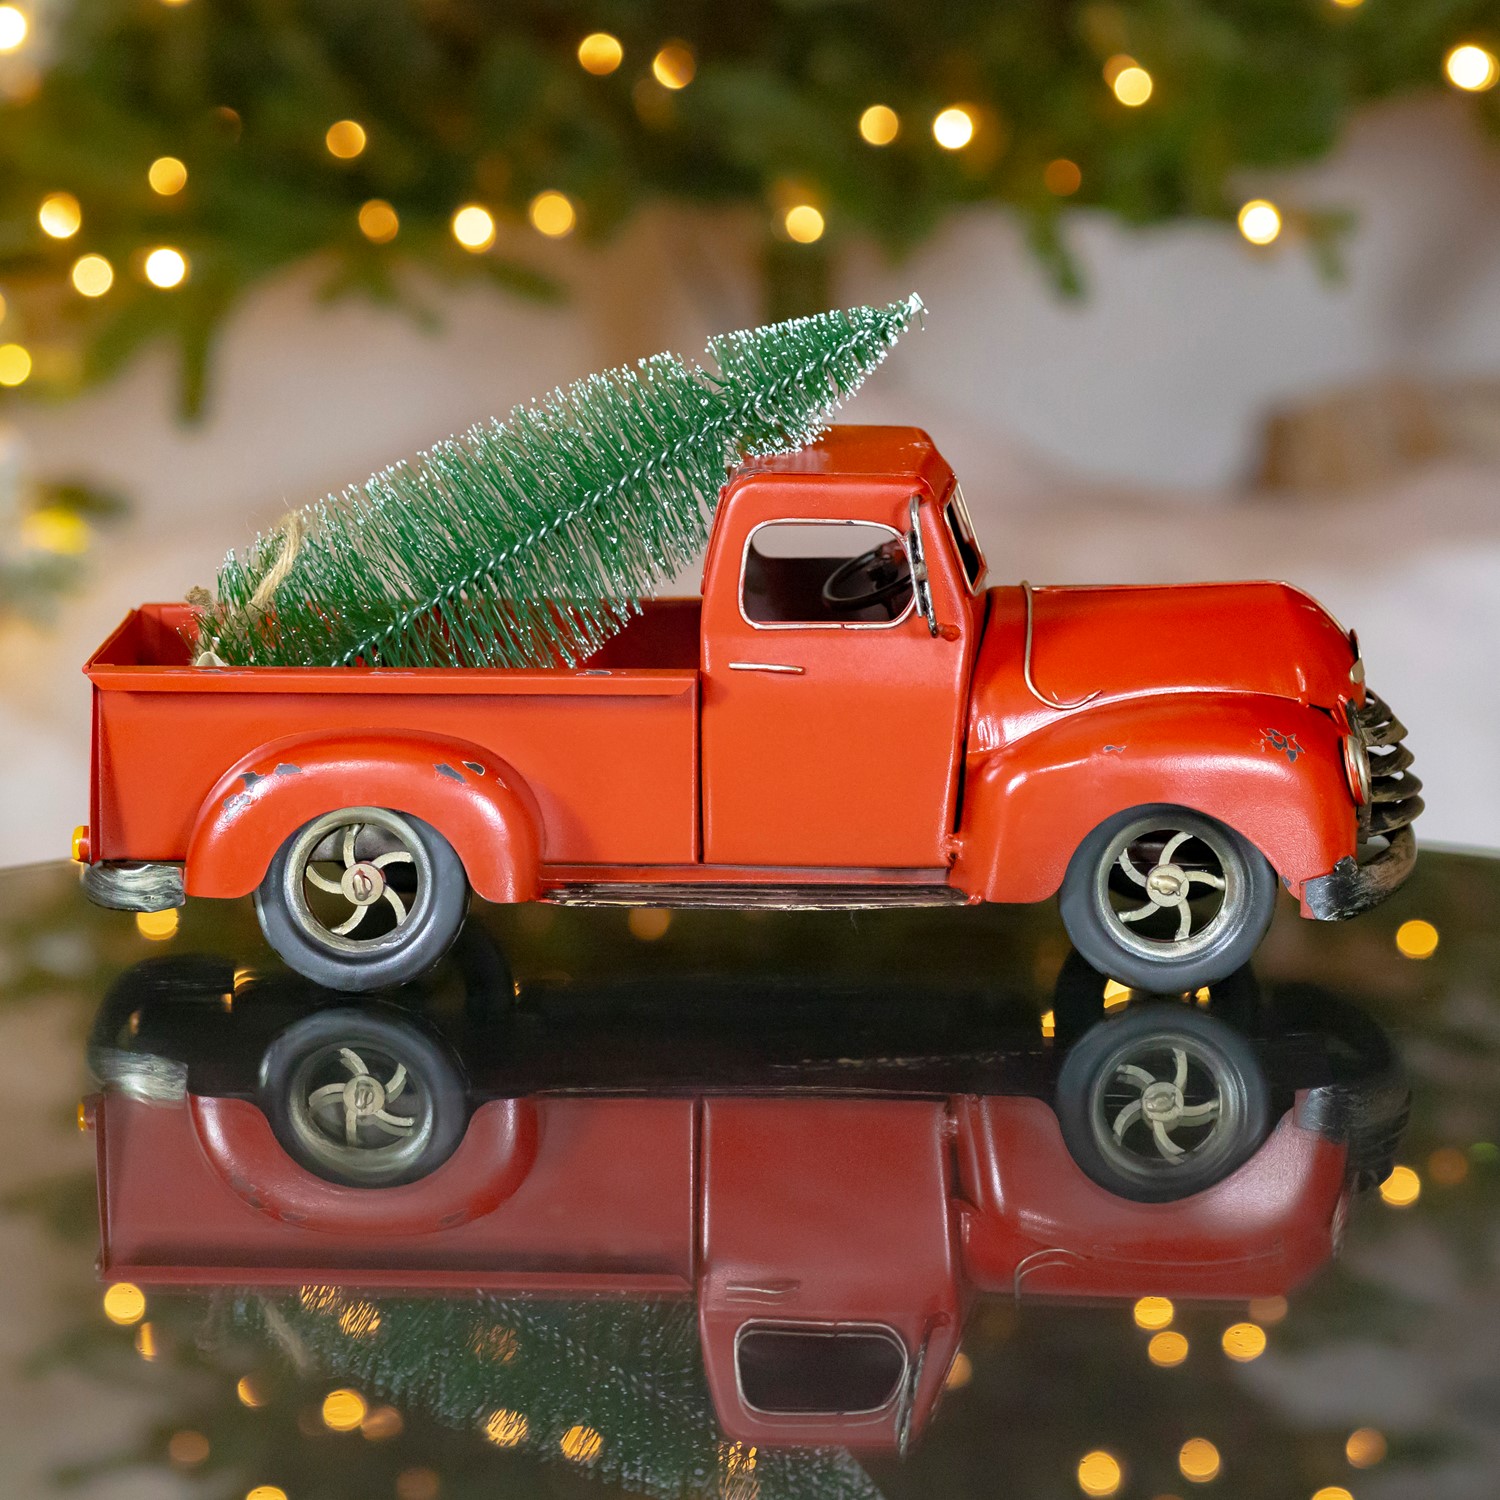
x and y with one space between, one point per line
1049 1023
187 1449
1472 68
13 28
15 364
318 1298
248 1392
1116 65
1153 1312
1115 994
879 125
157 926
1332 1492
345 139
124 1303
803 223
648 923
60 215
1268 1309
953 128
582 1444
506 1428
261 1491
1447 1166
1348 4
1244 1341
1402 1188
382 1424
474 227
1132 86
675 65
166 267
1365 1448
1062 177
378 222
1198 1460
167 175
960 1372
343 1410
93 275
57 530
600 53
1416 939
1260 221
1099 1473
1167 1349
552 213
145 1341
2 309
360 1320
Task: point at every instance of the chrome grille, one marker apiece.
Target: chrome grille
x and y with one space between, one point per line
1394 800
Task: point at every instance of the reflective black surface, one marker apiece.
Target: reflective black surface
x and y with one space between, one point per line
1399 1337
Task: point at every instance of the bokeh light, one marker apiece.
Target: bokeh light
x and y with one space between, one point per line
879 125
1153 1312
1244 1341
1198 1460
60 215
581 1444
166 267
345 139
56 529
1416 939
1447 1166
1132 85
1167 1349
124 1303
1260 221
167 175
343 1410
378 221
552 213
953 128
674 66
960 1372
1402 1188
1332 1492
600 53
92 275
1365 1448
418 1484
1472 68
381 1424
360 1320
1099 1473
15 364
248 1392
506 1428
474 227
157 926
803 223
187 1449
261 1491
1268 1309
1062 177
649 923
13 27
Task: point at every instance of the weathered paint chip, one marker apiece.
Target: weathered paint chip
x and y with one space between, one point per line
286 768
474 766
250 778
237 802
448 771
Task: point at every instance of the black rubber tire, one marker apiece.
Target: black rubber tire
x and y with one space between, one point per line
1231 949
435 1085
1091 1066
434 923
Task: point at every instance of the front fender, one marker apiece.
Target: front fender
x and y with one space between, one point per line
475 800
1269 768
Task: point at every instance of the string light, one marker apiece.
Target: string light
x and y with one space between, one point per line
600 53
1365 1448
15 364
474 227
1260 221
505 1429
582 1444
1167 1349
60 215
1472 68
124 1303
1062 177
93 275
1153 1312
378 222
879 125
343 1410
166 267
953 128
1402 1188
167 176
13 28
1416 939
1244 1341
1099 1473
1131 83
552 213
1198 1460
345 139
803 223
674 65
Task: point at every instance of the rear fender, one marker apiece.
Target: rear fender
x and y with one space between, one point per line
474 799
1270 768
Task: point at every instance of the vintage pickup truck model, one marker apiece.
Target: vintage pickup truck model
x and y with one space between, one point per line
847 718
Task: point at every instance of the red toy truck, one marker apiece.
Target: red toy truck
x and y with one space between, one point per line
847 718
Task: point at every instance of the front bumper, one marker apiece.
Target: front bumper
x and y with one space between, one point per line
123 886
1350 887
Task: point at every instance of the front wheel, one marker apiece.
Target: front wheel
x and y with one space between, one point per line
1165 899
363 898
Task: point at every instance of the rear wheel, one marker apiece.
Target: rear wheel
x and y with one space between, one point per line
363 898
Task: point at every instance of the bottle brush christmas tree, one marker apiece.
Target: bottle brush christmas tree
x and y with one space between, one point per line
529 542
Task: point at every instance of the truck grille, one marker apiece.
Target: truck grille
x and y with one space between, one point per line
1394 800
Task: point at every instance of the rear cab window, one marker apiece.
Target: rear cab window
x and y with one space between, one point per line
800 1370
961 528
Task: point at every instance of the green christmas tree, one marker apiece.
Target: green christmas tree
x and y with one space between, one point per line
529 542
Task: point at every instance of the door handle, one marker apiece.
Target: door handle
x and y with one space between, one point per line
766 666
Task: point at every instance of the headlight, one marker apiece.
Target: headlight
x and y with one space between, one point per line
1357 768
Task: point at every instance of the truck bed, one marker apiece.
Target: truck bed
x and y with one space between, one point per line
596 744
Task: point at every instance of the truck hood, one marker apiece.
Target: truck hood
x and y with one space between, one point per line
1124 642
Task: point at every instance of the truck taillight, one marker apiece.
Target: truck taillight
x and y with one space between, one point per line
81 844
1357 768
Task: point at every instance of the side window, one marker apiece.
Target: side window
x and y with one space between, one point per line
962 529
825 573
800 1371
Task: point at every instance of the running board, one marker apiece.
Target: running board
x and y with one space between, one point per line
745 896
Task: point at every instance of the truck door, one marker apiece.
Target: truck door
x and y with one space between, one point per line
832 716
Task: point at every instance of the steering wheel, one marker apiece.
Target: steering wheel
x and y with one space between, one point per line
870 578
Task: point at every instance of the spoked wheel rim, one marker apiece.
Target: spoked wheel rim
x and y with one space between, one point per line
1171 887
359 881
360 1108
1168 1108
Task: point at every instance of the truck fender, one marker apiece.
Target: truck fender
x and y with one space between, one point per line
1267 767
473 798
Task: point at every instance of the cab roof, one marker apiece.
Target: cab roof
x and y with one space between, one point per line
904 454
